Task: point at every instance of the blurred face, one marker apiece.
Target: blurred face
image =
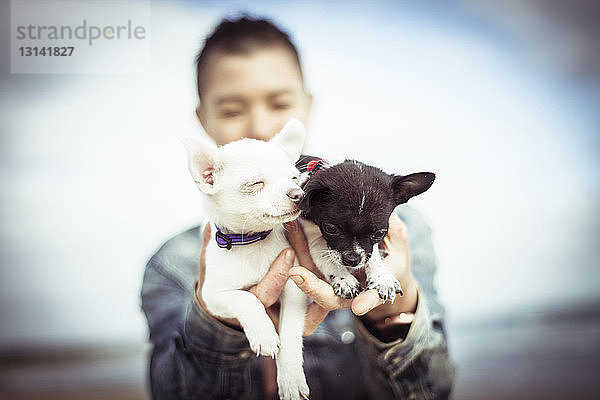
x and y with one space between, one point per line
252 95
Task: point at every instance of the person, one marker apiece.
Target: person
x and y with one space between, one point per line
250 82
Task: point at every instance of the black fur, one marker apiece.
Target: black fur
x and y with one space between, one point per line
333 200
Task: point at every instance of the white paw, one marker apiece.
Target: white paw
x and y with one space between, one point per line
346 286
264 342
292 386
386 284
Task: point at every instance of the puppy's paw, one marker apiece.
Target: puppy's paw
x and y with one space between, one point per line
347 287
264 342
292 385
387 286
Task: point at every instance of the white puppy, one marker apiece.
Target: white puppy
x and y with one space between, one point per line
250 188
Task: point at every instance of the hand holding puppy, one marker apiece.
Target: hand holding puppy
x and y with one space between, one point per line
269 289
309 280
367 303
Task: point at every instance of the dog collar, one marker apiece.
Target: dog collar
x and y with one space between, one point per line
310 164
313 166
227 240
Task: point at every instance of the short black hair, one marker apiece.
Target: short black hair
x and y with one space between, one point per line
243 35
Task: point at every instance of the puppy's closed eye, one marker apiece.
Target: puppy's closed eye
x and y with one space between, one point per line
252 186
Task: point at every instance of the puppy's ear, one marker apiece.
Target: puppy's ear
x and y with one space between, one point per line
202 163
291 139
405 187
313 192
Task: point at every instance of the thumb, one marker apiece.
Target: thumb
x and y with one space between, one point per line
365 302
270 286
320 291
206 234
307 281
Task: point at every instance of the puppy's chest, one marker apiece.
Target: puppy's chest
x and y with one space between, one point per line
244 265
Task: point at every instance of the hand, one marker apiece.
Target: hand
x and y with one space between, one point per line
367 303
398 261
268 290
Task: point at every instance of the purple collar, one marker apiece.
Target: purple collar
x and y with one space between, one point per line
226 240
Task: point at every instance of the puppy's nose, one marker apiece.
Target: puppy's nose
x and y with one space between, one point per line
295 194
350 258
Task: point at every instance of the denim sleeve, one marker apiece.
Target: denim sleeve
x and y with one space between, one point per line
193 355
418 366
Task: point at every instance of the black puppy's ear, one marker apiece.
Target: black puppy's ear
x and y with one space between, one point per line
313 191
411 185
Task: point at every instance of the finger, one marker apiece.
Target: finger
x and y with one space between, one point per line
315 314
397 231
320 291
365 302
270 286
296 239
396 241
202 263
397 247
273 313
206 234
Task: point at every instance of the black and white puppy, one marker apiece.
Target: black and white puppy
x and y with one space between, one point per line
345 212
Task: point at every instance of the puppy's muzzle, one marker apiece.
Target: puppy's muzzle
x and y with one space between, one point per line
351 258
295 195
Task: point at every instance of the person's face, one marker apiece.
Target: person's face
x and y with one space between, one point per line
252 95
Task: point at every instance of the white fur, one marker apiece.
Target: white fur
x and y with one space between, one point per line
245 187
362 202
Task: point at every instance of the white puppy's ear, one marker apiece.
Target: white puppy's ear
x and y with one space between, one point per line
203 163
291 139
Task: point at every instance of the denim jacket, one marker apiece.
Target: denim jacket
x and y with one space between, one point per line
194 356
